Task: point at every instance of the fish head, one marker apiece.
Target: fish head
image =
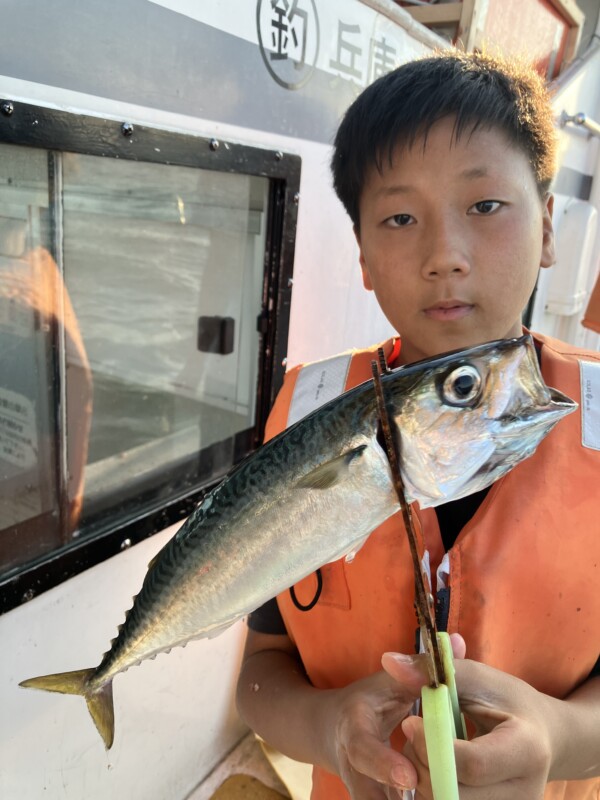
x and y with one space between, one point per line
464 419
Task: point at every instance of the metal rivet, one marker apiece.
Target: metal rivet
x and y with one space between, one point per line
28 595
214 144
126 543
290 283
278 155
7 108
296 198
127 129
284 362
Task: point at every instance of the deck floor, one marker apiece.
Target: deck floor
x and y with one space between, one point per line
245 773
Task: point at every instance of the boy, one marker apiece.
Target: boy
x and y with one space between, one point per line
444 167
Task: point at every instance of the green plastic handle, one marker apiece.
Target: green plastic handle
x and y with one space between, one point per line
443 723
448 662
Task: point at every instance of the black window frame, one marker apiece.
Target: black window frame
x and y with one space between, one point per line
60 131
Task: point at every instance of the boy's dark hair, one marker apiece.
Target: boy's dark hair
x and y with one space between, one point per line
479 90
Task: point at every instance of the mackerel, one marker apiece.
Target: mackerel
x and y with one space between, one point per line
315 492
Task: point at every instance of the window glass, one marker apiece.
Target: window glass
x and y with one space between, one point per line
143 376
29 302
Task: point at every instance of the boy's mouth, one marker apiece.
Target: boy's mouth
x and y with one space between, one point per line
448 310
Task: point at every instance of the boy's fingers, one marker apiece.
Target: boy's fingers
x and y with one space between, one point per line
412 728
477 761
509 748
477 764
459 646
502 755
484 689
410 672
369 756
416 752
360 787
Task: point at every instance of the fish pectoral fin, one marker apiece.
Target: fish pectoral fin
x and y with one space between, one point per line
99 702
327 475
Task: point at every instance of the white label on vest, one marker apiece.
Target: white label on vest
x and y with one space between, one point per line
317 384
590 404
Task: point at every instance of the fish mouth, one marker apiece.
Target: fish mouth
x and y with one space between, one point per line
560 399
560 402
541 415
560 406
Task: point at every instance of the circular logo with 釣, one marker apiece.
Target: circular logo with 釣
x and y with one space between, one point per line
288 36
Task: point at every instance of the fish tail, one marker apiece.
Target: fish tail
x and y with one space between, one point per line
99 701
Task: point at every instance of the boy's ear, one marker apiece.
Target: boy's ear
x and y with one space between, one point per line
548 256
363 265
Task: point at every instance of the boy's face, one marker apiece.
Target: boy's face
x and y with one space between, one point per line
451 238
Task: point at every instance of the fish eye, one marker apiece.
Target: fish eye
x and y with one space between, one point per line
462 386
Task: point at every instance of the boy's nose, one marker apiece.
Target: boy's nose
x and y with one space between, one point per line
445 251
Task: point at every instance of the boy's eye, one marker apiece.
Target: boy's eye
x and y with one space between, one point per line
485 207
399 220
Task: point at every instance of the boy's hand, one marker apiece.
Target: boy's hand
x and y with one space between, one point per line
511 755
523 736
364 714
345 731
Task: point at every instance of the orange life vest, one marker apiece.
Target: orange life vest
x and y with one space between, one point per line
524 571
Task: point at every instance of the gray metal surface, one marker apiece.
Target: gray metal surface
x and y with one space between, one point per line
138 52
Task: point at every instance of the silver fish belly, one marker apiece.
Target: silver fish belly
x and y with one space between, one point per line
314 493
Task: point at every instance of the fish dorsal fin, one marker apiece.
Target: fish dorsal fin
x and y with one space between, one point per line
327 475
